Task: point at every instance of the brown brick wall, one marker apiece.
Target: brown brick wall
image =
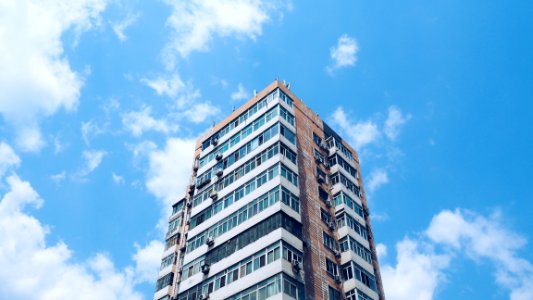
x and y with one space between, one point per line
317 279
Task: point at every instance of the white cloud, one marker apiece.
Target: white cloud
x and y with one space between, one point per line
169 170
377 178
165 86
360 133
28 264
58 145
187 97
29 138
417 273
89 130
344 54
240 93
421 268
381 250
395 120
120 27
200 112
196 22
138 122
8 158
480 237
57 178
147 261
117 179
92 159
36 79
363 133
142 148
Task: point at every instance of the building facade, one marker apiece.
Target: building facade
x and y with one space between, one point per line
275 209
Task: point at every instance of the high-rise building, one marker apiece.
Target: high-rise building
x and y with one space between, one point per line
275 209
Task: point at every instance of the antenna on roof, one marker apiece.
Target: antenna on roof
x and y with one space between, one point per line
213 124
233 108
255 92
289 85
284 82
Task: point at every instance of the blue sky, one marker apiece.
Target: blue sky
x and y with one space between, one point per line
101 101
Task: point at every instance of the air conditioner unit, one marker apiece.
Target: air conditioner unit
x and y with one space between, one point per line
210 241
321 178
219 172
337 278
337 253
218 156
328 203
214 141
203 297
331 226
183 248
324 145
205 268
189 203
179 270
296 265
319 160
326 165
195 166
213 195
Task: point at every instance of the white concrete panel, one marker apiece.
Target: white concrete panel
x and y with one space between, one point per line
350 212
230 188
337 168
165 270
248 281
169 251
345 230
162 292
340 187
289 186
235 206
352 256
261 243
241 126
235 231
353 283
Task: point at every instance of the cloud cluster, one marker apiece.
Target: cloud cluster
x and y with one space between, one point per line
120 27
194 23
344 54
240 93
187 105
364 133
8 158
395 120
169 170
29 264
377 178
36 79
453 235
138 122
165 86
